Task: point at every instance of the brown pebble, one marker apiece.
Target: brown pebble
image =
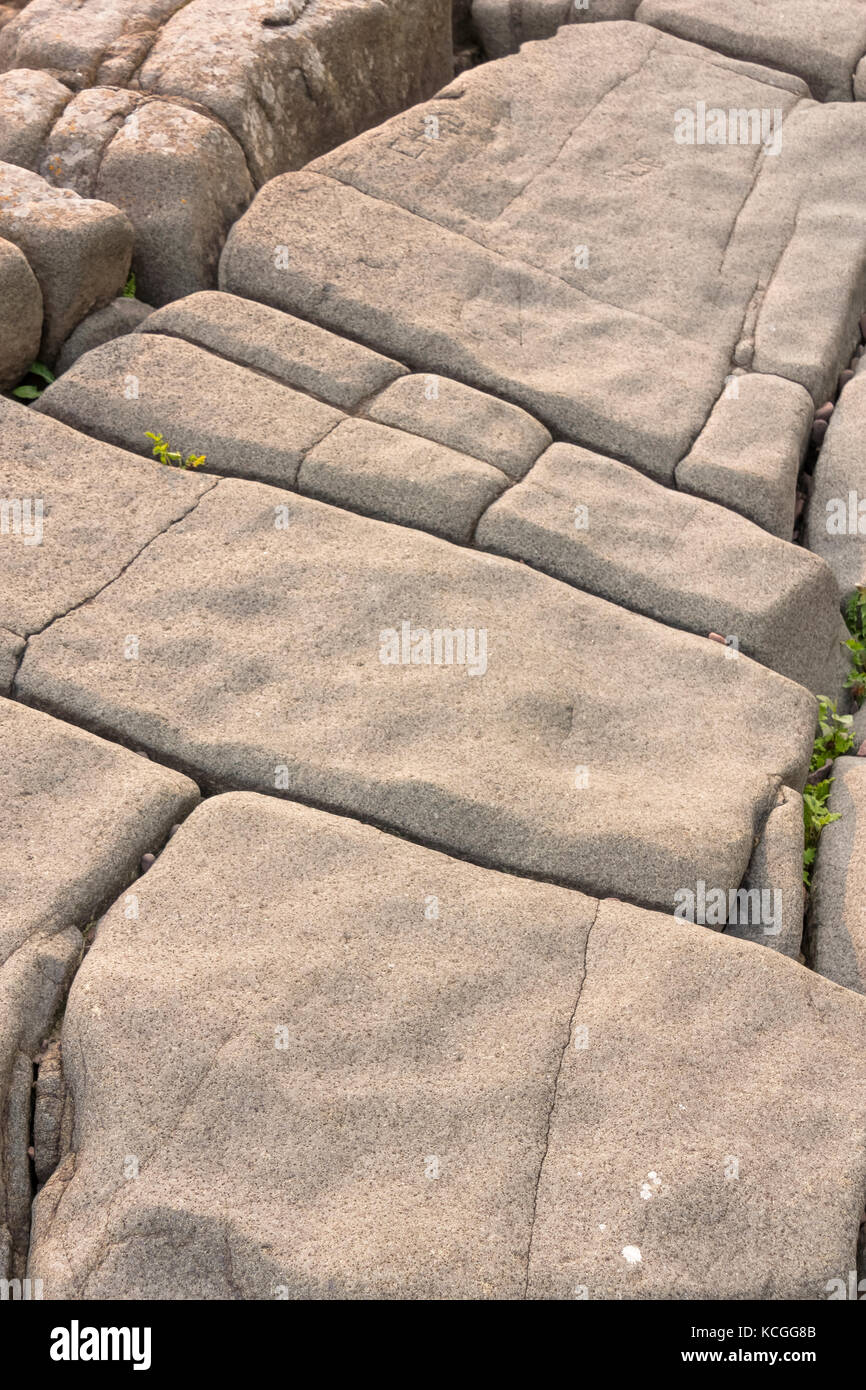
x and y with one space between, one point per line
717 637
825 412
819 429
147 861
173 829
846 376
861 751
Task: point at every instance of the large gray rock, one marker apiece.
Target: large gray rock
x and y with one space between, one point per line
749 453
79 250
243 423
123 315
275 624
836 517
707 1135
598 524
85 510
499 234
484 1084
20 315
76 815
30 103
400 477
297 353
836 935
97 42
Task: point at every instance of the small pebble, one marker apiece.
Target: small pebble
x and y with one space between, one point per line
717 637
819 429
861 751
846 376
825 412
147 860
173 829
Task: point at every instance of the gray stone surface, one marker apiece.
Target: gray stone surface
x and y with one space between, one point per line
76 814
30 103
463 419
598 524
20 315
540 752
79 250
11 647
400 477
432 1039
123 315
458 253
243 423
836 934
708 1141
297 353
99 507
776 868
836 517
512 1091
94 43
749 453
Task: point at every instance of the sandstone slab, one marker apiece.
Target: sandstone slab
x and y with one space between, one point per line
243 423
79 250
498 234
123 315
605 528
76 815
749 453
775 872
705 1066
84 511
836 936
297 353
20 315
463 419
836 518
400 477
521 736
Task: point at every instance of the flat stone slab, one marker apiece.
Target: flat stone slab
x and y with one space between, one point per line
836 935
76 815
602 526
749 454
486 1086
836 517
123 315
508 720
78 249
498 234
772 913
20 315
77 512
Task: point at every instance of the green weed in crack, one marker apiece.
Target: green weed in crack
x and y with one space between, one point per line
163 451
833 738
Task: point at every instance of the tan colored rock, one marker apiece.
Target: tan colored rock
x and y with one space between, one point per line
836 516
123 315
20 315
836 935
30 103
532 744
11 647
776 873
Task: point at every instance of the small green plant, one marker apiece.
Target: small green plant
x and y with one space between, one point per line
855 617
30 391
833 739
128 291
163 451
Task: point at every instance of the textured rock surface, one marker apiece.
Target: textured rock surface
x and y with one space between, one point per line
458 246
749 453
295 352
79 250
836 937
121 316
600 525
836 518
11 647
453 1129
86 510
20 315
776 867
492 764
30 103
76 814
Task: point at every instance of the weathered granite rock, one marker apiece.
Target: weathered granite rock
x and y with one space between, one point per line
463 419
836 934
836 517
123 315
11 647
749 453
85 44
243 423
503 25
30 103
20 315
498 234
860 81
707 1135
482 1082
529 744
400 477
775 872
297 353
76 814
79 250
598 524
74 149
85 510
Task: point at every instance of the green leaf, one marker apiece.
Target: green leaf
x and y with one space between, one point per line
128 291
40 369
27 393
